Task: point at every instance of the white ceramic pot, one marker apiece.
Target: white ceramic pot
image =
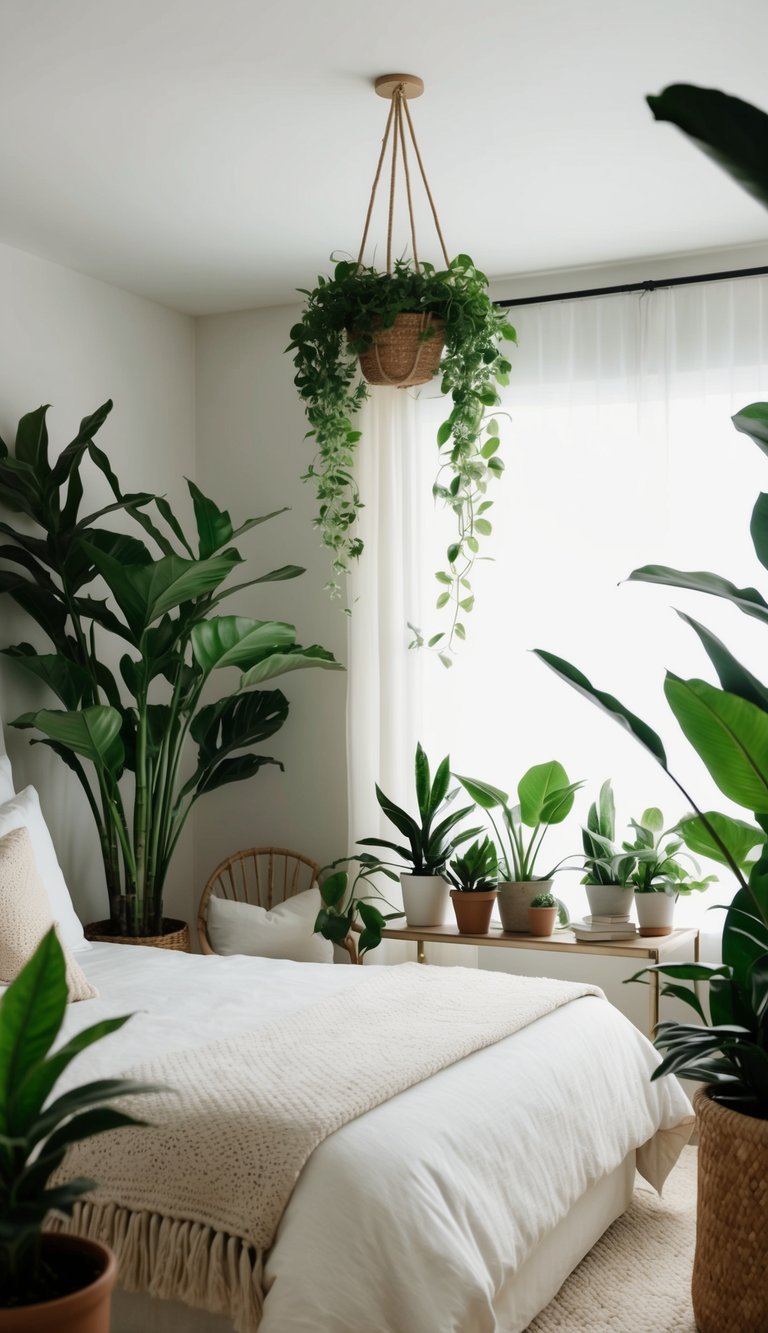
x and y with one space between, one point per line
609 899
655 913
514 900
425 899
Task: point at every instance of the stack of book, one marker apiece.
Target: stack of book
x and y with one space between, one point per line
603 928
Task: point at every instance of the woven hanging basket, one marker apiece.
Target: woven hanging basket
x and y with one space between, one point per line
400 356
730 1274
175 936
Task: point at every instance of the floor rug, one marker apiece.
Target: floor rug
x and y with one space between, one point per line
637 1279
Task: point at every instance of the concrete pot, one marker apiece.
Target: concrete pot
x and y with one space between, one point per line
609 899
514 900
84 1311
655 913
425 899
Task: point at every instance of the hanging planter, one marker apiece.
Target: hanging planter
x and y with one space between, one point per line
406 325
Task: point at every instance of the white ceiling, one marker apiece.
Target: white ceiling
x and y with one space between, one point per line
212 153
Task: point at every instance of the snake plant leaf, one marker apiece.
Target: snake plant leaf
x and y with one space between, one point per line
145 592
296 659
423 783
732 132
740 837
70 456
91 732
224 641
748 600
734 677
759 529
729 735
31 1013
635 725
400 818
753 421
441 783
67 679
214 526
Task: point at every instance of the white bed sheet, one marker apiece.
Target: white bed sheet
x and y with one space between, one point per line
415 1217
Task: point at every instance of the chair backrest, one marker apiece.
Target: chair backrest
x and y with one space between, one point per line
262 876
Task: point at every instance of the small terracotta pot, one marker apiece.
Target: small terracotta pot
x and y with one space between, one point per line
473 910
542 920
84 1311
175 936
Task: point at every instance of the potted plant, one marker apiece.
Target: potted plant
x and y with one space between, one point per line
545 797
344 318
125 736
49 1282
727 725
659 876
474 876
609 870
542 914
345 904
432 839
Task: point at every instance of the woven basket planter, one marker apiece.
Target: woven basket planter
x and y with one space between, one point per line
730 1275
400 357
175 936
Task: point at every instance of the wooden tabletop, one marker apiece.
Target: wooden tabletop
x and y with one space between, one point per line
563 941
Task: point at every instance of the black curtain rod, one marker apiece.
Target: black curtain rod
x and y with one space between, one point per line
651 285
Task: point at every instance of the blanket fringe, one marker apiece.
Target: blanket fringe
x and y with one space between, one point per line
181 1261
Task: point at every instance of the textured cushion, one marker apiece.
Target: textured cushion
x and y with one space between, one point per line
25 913
6 777
284 932
25 809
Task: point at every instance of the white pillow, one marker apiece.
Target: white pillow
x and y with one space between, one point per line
284 932
6 776
24 809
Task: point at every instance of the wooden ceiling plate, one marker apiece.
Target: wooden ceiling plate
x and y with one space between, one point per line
386 84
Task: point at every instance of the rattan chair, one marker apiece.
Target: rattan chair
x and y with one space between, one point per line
263 876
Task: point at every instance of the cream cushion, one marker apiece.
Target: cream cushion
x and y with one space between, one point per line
25 913
284 932
24 809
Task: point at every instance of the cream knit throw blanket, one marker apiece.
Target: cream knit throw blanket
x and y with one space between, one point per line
192 1204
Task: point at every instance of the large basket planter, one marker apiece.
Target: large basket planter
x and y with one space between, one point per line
86 1310
175 936
401 356
730 1274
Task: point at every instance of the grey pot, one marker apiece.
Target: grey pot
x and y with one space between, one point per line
514 900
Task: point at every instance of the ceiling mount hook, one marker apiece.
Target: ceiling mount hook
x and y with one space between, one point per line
387 84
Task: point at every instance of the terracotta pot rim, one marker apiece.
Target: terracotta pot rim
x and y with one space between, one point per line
85 1297
478 895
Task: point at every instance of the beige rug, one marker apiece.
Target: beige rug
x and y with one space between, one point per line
637 1279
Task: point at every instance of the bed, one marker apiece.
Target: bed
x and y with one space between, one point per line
458 1206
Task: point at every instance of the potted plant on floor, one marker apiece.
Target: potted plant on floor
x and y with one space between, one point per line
660 876
474 876
542 914
727 725
124 736
432 839
609 869
545 798
49 1283
345 317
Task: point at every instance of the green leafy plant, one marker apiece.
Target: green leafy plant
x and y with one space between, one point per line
659 868
476 870
603 862
545 797
162 615
36 1131
544 900
727 726
345 903
430 844
340 320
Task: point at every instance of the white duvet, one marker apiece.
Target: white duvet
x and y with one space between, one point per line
413 1218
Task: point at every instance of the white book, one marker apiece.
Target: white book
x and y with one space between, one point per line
606 920
626 927
601 936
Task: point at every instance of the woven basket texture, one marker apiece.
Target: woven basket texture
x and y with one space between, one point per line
175 936
730 1274
398 357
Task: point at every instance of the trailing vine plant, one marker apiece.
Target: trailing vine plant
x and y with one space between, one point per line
341 318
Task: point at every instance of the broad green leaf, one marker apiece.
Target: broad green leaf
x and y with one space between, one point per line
44 607
214 526
91 732
173 523
236 769
333 888
69 457
68 681
32 441
235 723
734 677
224 641
146 592
482 793
297 659
753 421
559 803
732 132
748 600
635 725
740 837
653 820
759 529
536 786
31 1013
729 735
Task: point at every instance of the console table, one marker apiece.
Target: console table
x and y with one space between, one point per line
644 951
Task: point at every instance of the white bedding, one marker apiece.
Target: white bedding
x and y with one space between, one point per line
413 1218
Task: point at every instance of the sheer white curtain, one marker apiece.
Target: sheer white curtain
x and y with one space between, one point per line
619 453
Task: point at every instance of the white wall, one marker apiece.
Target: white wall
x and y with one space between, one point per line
250 456
71 341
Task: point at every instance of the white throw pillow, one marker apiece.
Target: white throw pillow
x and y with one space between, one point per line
24 809
284 932
6 776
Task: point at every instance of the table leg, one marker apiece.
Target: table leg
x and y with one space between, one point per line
655 990
421 953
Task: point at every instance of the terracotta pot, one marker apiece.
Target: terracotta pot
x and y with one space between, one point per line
514 900
400 356
175 935
542 920
609 899
425 899
730 1275
473 910
655 913
84 1311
